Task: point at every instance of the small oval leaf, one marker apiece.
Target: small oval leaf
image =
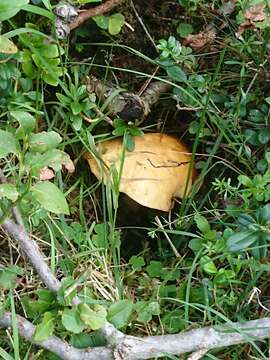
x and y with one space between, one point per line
50 197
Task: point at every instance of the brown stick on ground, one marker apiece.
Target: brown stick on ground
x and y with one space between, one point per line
98 10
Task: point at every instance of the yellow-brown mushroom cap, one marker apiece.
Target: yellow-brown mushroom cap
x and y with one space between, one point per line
155 172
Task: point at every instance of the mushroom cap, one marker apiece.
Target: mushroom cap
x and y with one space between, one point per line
153 173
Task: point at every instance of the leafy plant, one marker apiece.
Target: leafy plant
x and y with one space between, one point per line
112 23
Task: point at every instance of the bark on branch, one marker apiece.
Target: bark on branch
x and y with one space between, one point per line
53 343
98 10
133 348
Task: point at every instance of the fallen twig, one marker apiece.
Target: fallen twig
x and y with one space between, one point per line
98 10
128 106
133 348
53 343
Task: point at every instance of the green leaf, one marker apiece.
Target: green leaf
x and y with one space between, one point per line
154 269
245 180
223 277
54 159
208 265
146 310
9 191
9 8
8 277
101 21
50 51
184 29
195 244
119 313
8 144
264 136
26 120
129 142
176 73
44 141
7 46
116 21
242 240
71 321
67 292
202 223
267 157
95 318
137 262
75 107
50 197
45 329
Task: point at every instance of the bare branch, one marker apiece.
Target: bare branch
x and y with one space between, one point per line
53 343
98 10
132 348
207 338
33 253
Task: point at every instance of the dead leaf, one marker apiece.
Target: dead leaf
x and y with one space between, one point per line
46 174
255 13
200 40
153 174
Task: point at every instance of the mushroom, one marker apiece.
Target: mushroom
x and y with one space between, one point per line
155 172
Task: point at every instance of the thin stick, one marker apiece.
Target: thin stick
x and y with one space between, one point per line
176 253
98 10
142 24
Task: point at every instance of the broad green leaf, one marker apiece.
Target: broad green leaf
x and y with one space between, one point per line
101 21
223 277
7 46
71 321
45 329
208 265
195 244
137 262
9 191
54 159
50 51
9 8
8 277
26 120
242 240
119 313
264 213
44 141
154 269
146 310
95 318
245 180
184 29
50 197
202 223
116 21
264 136
8 144
176 73
76 107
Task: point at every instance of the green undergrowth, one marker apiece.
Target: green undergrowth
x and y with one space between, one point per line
148 272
